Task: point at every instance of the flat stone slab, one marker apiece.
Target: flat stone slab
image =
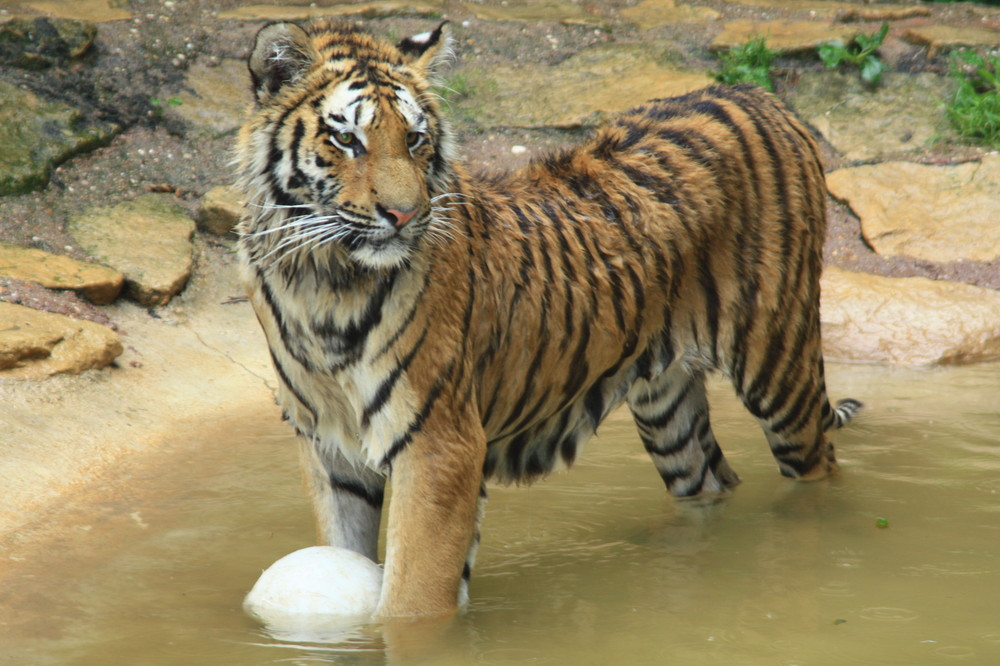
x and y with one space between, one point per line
939 38
39 42
37 136
98 284
783 36
554 11
98 11
216 97
319 10
845 11
221 209
148 239
36 344
904 114
881 12
936 213
822 7
580 91
907 321
655 13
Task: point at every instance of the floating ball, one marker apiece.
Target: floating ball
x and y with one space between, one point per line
315 588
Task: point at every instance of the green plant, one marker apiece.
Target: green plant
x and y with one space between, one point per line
748 63
975 107
159 104
860 53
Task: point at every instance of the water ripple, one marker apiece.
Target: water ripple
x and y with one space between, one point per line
888 614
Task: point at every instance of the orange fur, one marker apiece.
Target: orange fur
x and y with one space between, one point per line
491 332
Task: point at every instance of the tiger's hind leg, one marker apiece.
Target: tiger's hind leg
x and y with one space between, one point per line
795 414
671 412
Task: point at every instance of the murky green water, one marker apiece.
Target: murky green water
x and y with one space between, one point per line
594 566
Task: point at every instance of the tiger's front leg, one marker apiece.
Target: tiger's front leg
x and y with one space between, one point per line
347 499
436 481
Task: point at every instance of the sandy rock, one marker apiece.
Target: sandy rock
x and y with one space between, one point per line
215 98
98 284
937 213
783 36
881 13
943 37
818 7
148 239
655 13
581 90
558 11
221 208
37 344
902 115
908 321
310 11
98 11
36 136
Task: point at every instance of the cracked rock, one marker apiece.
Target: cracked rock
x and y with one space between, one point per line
148 239
37 344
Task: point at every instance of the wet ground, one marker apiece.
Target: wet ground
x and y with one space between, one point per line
893 561
138 66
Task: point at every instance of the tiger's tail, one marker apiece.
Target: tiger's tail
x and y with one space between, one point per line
845 410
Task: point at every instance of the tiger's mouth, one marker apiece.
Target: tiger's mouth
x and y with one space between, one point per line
378 245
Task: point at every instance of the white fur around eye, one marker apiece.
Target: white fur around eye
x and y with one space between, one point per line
356 114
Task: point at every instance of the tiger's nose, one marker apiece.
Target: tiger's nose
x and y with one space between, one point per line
398 218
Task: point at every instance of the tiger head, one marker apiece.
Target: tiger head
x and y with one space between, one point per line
345 148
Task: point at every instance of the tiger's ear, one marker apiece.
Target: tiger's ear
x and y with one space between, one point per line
281 55
427 51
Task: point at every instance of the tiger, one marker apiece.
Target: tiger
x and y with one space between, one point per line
438 329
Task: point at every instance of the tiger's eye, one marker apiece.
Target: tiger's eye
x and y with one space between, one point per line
345 139
413 139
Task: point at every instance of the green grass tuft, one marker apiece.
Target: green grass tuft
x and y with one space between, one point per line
748 63
860 53
975 108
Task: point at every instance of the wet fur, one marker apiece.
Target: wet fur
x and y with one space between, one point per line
489 336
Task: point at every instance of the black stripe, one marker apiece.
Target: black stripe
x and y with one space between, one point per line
387 385
799 411
710 290
348 340
373 497
527 393
298 178
666 413
285 334
283 376
675 444
467 321
418 422
407 321
661 188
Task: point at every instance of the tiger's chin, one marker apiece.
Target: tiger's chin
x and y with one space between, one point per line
391 254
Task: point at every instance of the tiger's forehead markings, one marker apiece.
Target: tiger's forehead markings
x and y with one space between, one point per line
352 105
345 109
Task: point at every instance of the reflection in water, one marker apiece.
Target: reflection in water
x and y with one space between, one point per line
594 566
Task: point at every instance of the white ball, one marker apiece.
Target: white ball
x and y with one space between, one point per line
315 588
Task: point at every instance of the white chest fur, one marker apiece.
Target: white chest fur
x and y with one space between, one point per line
336 355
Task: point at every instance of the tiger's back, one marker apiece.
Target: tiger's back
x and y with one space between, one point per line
687 233
444 329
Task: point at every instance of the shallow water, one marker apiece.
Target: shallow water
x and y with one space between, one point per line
594 566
